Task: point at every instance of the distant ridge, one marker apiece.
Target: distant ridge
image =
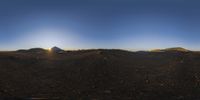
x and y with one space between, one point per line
174 49
41 50
33 50
53 49
59 50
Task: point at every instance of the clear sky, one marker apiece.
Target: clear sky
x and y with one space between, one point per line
85 24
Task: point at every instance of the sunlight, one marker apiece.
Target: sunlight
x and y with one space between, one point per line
47 38
49 49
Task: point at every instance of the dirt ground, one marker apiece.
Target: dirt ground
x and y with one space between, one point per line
100 75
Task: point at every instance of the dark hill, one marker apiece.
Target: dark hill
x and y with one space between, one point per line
33 50
101 75
175 49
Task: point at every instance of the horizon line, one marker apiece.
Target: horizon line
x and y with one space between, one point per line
128 49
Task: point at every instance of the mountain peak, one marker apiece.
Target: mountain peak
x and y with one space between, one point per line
56 49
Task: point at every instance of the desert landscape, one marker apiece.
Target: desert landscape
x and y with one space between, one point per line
99 50
100 74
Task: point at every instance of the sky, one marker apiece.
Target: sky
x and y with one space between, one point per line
93 24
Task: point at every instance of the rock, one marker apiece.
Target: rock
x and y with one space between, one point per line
107 91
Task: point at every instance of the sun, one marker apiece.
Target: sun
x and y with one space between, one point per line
49 49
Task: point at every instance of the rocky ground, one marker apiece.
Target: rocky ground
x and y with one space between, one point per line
100 75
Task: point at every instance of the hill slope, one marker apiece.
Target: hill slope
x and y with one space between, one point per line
101 75
175 49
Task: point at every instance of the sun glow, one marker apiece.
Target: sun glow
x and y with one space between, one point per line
46 38
49 49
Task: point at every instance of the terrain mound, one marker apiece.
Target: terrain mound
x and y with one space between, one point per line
175 49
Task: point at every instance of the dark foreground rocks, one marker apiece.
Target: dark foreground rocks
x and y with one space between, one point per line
100 75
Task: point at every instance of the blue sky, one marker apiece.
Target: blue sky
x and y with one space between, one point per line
86 24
